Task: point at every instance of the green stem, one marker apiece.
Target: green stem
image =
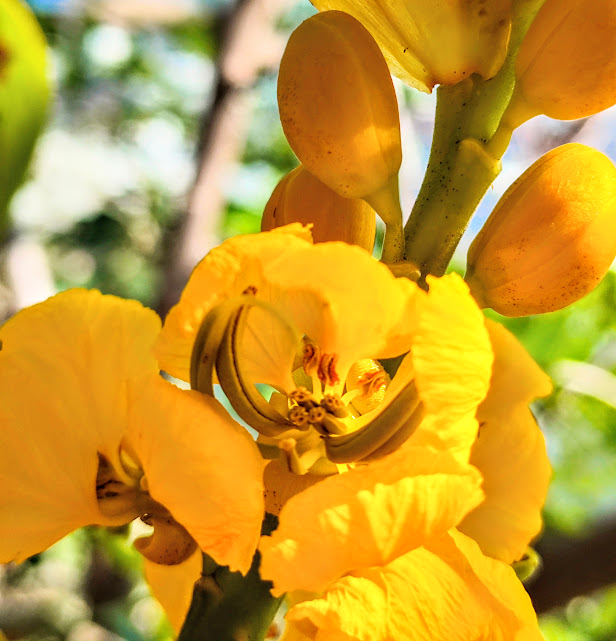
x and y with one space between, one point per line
470 136
386 203
228 606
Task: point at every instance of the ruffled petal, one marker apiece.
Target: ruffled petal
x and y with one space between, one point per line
202 466
452 362
367 516
172 586
233 268
510 452
438 42
64 367
446 591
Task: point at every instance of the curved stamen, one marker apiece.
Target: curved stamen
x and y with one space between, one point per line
242 394
394 424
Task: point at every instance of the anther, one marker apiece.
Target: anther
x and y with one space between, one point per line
298 415
327 369
372 382
303 397
311 357
333 405
316 415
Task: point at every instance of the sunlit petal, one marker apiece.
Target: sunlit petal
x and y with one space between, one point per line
450 361
367 516
346 302
64 367
234 268
445 591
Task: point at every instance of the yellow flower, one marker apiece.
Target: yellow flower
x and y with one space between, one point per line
330 306
92 435
375 548
430 43
361 507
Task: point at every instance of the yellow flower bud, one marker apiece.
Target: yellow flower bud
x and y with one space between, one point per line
551 237
301 198
437 42
339 111
566 66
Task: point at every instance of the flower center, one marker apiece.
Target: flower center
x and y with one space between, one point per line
324 421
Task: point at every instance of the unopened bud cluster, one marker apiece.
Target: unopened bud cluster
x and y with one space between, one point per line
552 237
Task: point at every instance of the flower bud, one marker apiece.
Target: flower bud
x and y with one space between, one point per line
551 237
566 65
430 43
301 198
339 111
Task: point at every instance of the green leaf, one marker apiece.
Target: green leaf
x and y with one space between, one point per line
24 95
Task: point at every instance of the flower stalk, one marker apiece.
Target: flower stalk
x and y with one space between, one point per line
470 137
228 606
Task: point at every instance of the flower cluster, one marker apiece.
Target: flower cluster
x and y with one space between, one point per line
391 450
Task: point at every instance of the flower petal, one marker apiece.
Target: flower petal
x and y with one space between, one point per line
345 301
229 270
510 453
172 586
203 467
447 591
64 368
452 360
367 516
438 42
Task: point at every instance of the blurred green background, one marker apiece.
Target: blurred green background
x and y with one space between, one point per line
162 139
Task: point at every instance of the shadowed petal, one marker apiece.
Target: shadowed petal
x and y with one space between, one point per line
510 453
203 467
172 586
